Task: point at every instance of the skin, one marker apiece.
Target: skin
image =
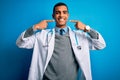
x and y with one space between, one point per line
61 17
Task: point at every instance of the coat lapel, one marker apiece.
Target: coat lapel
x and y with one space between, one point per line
51 42
77 47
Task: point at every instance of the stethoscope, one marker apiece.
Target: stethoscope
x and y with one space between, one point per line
76 39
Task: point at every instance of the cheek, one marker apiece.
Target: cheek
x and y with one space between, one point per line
67 17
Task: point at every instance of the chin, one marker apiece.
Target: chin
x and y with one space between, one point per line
61 24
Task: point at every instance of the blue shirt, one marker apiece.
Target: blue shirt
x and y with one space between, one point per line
57 30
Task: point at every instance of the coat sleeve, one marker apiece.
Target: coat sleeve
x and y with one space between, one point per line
96 43
25 42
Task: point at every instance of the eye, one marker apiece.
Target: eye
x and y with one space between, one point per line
65 12
57 12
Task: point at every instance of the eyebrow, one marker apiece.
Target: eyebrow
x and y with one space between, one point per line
62 11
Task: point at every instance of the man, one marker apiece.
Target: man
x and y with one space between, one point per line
58 53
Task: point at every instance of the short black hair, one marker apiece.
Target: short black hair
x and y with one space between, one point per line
59 4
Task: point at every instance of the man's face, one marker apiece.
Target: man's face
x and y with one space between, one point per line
61 16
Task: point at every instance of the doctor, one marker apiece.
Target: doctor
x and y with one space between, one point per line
59 53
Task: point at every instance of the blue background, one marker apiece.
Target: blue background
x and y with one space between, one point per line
18 15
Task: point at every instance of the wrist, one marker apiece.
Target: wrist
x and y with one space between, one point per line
87 28
36 27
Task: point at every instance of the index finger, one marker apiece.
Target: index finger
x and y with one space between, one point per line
75 21
50 20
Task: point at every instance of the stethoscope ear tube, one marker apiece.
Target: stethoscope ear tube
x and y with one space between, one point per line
76 39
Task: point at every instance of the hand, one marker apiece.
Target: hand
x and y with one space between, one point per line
42 25
78 24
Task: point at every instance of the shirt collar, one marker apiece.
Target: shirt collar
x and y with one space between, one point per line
57 29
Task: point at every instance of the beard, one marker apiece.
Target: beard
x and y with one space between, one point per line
61 24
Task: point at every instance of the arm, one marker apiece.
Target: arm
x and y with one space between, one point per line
27 38
95 39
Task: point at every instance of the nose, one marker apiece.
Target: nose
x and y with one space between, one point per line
61 14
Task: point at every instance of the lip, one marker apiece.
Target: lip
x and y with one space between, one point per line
61 19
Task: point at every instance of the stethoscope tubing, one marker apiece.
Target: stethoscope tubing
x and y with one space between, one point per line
76 39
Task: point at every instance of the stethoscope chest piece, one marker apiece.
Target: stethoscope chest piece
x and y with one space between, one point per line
79 47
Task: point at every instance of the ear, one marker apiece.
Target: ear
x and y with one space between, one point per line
68 14
53 16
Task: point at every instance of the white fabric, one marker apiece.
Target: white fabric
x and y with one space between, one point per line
43 46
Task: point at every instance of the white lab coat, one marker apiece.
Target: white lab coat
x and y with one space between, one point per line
43 46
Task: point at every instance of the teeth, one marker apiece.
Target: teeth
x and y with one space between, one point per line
61 19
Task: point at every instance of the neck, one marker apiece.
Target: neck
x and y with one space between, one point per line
61 26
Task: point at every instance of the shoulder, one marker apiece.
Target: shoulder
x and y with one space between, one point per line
46 30
76 31
79 32
43 32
